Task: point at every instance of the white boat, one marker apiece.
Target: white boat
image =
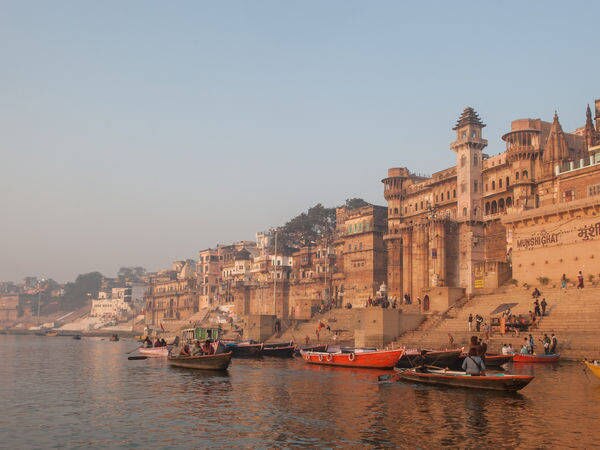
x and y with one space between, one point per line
154 352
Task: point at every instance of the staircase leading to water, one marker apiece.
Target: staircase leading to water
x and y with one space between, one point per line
573 315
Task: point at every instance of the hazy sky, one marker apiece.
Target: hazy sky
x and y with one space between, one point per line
138 132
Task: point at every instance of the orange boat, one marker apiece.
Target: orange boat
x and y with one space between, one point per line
519 358
369 359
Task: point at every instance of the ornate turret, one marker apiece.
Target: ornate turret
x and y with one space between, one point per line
468 117
590 133
556 148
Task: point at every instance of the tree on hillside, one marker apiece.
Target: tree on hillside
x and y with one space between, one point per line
131 273
313 225
76 293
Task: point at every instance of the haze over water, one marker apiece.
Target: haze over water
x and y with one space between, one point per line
62 393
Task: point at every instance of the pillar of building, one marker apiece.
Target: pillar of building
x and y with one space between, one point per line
394 267
407 261
441 253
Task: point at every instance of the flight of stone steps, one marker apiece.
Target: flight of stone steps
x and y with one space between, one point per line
341 320
573 315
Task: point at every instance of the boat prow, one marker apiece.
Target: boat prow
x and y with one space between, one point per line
594 367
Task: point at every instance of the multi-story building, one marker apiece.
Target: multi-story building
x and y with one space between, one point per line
450 229
172 294
360 267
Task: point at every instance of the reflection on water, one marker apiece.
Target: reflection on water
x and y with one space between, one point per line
67 393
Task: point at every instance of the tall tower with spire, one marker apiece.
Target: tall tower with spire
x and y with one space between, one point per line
468 147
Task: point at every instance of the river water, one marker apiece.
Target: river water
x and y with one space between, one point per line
62 393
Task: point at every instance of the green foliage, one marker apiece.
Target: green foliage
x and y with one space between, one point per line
311 226
543 280
76 293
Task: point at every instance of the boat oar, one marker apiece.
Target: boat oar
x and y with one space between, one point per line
133 350
134 358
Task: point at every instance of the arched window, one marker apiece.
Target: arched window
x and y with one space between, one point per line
517 176
395 210
448 195
487 208
454 193
493 185
507 182
494 208
501 205
464 212
500 183
525 174
442 196
509 202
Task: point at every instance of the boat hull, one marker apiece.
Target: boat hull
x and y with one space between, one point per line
154 352
383 359
500 382
537 359
209 362
440 358
594 368
245 350
279 352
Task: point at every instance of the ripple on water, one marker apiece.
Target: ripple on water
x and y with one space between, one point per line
79 394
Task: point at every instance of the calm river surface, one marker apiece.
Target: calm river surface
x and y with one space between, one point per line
62 393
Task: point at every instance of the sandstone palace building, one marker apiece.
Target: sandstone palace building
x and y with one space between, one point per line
530 211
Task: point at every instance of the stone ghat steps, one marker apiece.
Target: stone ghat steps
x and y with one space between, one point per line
337 319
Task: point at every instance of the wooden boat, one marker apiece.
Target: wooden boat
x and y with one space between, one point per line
492 381
519 358
594 367
371 359
440 358
244 349
219 361
282 350
313 348
154 352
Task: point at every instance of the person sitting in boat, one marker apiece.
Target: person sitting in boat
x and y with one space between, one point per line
525 350
185 350
511 350
207 348
473 364
197 349
157 342
505 349
163 343
554 344
147 342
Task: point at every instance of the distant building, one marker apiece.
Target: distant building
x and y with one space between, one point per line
9 308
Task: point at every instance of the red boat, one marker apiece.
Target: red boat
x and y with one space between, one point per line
370 359
519 358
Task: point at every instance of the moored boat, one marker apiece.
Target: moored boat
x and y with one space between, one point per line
371 359
281 350
490 381
51 333
154 352
594 367
244 349
219 361
440 358
551 358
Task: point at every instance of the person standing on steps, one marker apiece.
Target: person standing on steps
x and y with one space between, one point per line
580 280
543 304
563 281
470 322
553 344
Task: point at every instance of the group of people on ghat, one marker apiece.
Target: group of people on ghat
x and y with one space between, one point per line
197 349
157 343
393 302
549 344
